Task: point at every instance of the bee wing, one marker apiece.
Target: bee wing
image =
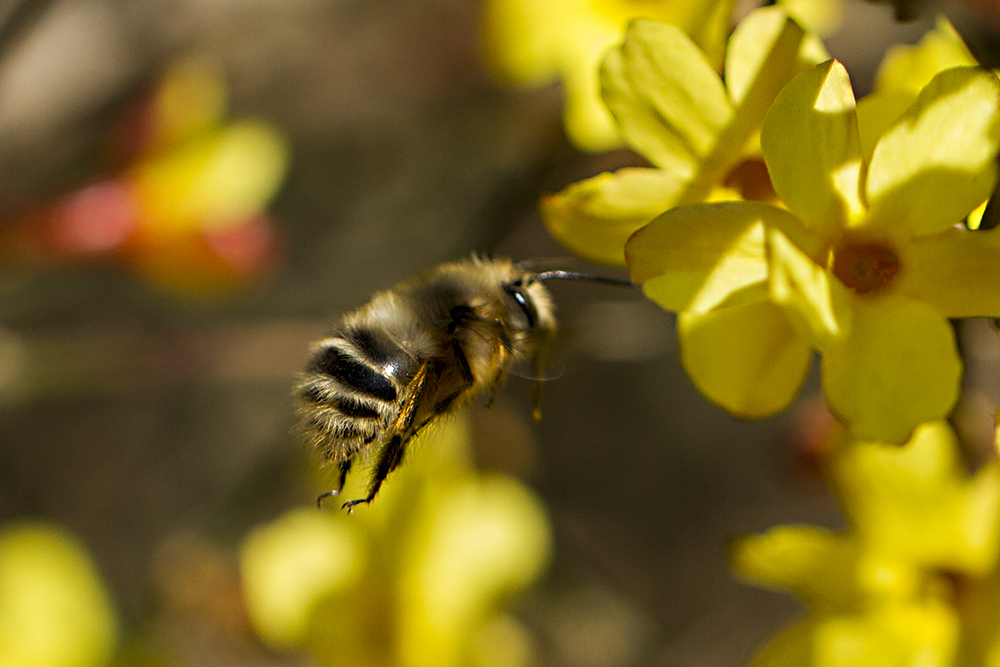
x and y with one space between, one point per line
545 364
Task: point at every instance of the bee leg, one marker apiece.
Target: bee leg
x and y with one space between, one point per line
345 467
536 384
536 399
502 347
463 363
494 388
392 453
388 460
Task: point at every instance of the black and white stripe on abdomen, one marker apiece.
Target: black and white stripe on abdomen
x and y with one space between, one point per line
339 361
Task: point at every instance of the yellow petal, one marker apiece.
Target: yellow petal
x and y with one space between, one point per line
694 257
811 146
822 17
54 611
748 358
923 633
484 538
820 303
897 368
957 272
937 163
516 50
817 565
290 565
792 647
191 99
877 113
667 99
911 67
589 124
594 218
766 50
222 178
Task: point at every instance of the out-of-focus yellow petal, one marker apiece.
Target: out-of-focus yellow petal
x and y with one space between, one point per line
693 257
937 163
817 565
896 368
822 17
766 50
292 564
821 303
54 611
589 124
594 218
748 358
212 182
911 67
792 647
487 537
811 146
667 99
516 50
918 504
957 272
190 100
923 633
536 42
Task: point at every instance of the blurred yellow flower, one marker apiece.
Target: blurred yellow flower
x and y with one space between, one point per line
54 611
700 134
867 267
199 186
415 580
537 41
883 592
186 206
905 70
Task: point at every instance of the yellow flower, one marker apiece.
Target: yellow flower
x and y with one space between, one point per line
881 592
698 132
867 267
415 580
536 41
54 611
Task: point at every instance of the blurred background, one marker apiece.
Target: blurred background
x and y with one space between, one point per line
329 149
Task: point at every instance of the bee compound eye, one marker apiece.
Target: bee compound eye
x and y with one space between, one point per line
524 300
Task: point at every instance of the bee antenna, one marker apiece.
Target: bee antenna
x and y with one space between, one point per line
573 275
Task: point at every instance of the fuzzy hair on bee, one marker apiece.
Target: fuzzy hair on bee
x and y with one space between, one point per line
417 352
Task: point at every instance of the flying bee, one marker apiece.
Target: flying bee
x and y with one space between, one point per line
419 351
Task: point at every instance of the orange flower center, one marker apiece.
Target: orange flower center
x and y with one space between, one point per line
864 267
751 180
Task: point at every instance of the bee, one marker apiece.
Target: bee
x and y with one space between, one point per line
419 351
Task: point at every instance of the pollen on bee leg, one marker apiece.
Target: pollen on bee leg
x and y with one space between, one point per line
536 400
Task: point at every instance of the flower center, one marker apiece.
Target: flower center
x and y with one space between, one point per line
864 267
751 180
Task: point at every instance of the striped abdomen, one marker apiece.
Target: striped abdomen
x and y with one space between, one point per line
353 389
